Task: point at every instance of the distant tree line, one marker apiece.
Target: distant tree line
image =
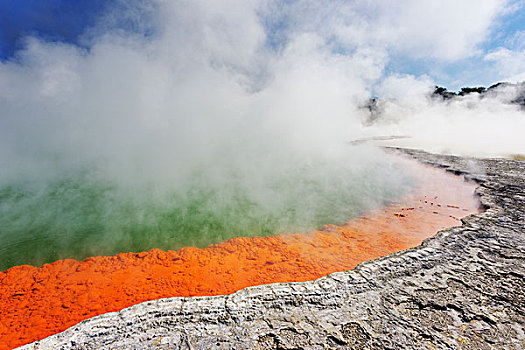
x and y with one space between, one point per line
375 105
443 93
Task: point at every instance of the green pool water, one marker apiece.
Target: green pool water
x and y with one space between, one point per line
79 214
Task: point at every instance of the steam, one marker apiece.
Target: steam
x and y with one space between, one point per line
183 78
257 100
483 125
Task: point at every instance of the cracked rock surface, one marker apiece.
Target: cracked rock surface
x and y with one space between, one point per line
462 289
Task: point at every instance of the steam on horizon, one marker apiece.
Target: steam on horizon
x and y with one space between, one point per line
235 116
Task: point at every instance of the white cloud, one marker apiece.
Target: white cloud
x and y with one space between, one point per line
510 64
445 30
516 41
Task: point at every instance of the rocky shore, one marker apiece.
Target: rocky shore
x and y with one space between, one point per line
462 289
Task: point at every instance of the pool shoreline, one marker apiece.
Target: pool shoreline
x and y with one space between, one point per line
301 253
459 289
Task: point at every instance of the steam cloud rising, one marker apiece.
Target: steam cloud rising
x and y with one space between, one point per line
240 99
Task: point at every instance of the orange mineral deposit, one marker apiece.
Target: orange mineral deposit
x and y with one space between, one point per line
36 302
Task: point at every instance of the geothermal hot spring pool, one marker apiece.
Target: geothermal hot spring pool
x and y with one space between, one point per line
78 245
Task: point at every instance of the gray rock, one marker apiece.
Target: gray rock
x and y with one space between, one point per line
462 289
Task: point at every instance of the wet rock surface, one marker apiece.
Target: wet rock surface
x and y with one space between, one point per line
462 289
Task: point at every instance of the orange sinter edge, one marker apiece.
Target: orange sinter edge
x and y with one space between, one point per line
36 302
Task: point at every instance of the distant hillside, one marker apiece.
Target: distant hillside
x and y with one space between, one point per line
499 93
510 93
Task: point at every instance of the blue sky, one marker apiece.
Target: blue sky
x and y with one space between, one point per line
66 21
52 20
472 70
